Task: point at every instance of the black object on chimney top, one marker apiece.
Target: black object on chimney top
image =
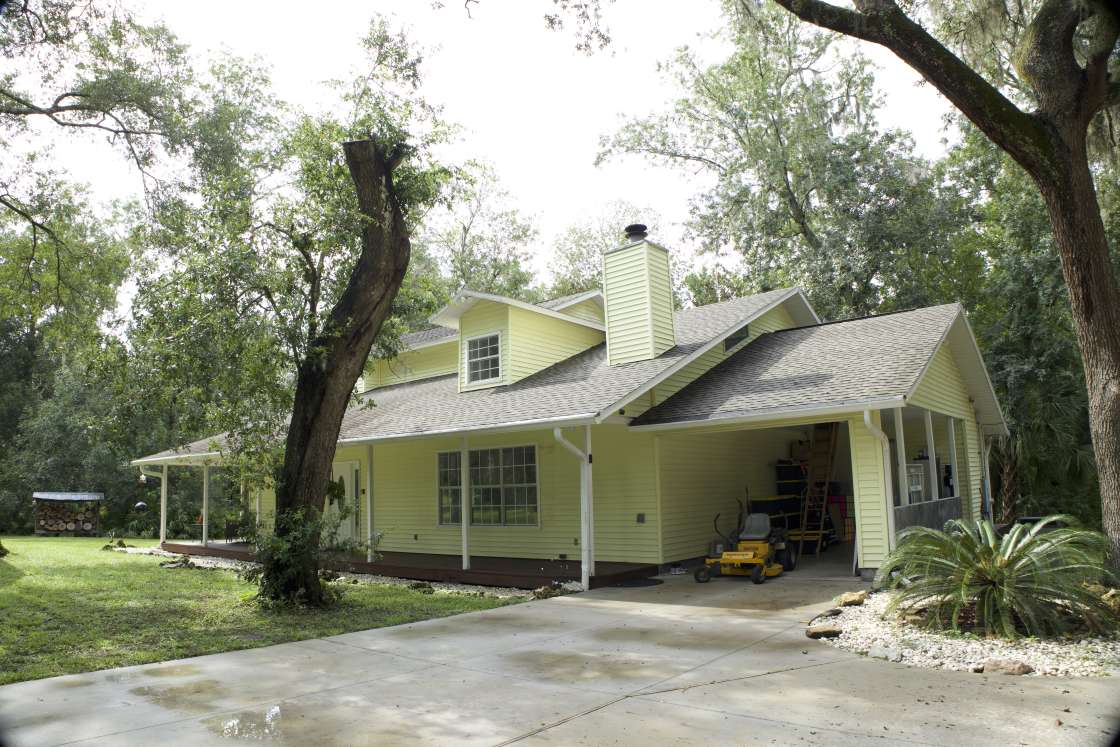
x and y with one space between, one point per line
635 232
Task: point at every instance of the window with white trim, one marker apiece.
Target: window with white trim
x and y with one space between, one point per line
450 495
503 486
484 359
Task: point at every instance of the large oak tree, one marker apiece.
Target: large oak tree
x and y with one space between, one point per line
1068 63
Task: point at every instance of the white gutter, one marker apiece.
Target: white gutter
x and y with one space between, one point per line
889 492
587 557
844 408
518 425
184 460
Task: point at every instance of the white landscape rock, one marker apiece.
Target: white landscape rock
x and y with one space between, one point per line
867 631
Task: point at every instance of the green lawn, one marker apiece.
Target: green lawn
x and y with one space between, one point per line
67 606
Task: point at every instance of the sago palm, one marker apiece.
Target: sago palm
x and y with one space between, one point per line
1033 580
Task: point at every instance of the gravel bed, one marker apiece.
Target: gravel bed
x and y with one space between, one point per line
867 631
438 587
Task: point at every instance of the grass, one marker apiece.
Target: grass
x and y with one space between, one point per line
67 606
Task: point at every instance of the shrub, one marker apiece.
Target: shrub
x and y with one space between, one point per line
3 550
1034 580
291 555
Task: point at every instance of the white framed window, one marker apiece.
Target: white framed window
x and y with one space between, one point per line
484 358
450 495
503 487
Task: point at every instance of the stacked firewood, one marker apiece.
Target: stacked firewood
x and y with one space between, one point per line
65 517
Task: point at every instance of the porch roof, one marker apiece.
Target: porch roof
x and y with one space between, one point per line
870 362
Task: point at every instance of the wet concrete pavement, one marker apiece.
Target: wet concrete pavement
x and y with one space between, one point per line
679 663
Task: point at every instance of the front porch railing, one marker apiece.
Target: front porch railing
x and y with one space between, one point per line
931 514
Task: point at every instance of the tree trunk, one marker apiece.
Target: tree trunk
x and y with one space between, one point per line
1079 234
333 363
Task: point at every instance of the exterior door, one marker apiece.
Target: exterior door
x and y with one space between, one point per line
348 505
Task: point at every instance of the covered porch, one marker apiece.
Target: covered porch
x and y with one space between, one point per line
890 468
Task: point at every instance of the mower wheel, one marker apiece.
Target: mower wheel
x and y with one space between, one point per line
703 574
758 574
788 559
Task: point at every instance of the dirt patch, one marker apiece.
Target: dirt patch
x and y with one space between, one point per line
589 667
172 670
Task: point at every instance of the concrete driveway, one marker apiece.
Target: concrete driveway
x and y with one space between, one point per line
678 663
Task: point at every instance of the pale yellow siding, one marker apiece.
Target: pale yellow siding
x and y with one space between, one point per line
639 303
437 360
702 475
942 390
589 311
869 488
661 302
772 321
406 502
537 341
484 318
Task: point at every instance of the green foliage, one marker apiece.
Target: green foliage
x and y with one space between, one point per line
1034 580
578 252
302 539
807 189
81 610
480 239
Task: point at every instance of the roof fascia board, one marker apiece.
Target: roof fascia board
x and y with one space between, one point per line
511 427
591 295
844 408
206 457
683 362
443 318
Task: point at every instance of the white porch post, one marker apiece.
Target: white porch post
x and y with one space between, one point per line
931 452
900 458
590 501
205 505
587 557
465 502
257 500
369 503
163 506
952 426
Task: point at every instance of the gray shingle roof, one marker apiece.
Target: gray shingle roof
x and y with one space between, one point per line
581 385
189 452
425 336
836 364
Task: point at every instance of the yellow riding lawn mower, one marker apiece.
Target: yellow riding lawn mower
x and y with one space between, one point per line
760 552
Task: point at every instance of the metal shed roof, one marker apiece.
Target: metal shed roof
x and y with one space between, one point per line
47 496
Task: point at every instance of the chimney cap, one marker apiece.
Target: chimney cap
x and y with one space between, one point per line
635 232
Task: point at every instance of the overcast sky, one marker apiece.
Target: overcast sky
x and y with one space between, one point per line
527 100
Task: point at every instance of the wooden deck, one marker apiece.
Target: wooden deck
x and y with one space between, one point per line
523 573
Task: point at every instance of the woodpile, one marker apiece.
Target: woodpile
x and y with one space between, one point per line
57 517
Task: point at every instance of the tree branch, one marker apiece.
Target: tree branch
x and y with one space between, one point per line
881 22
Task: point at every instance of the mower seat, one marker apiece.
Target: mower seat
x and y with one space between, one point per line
756 527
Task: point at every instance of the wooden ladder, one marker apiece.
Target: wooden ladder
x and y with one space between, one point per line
818 474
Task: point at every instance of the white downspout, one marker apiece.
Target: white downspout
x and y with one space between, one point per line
205 505
889 492
586 557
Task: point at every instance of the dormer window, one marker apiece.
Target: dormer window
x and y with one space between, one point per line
484 358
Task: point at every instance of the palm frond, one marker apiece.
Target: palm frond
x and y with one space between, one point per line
1033 580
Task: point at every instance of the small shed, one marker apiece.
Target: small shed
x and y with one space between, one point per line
66 513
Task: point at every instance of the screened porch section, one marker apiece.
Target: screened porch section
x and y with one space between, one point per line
930 459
